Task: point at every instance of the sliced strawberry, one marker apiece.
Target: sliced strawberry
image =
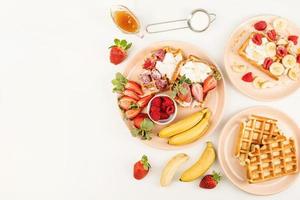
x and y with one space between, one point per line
257 39
209 84
197 92
131 94
248 77
170 109
118 51
160 54
281 51
126 102
156 101
149 64
298 58
143 102
267 63
260 25
272 35
185 94
294 39
132 113
134 86
164 116
137 121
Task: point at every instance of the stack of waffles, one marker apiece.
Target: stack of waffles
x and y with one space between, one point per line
264 151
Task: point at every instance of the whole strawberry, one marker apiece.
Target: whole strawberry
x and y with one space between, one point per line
118 51
141 168
210 181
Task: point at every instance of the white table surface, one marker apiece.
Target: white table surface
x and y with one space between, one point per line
61 136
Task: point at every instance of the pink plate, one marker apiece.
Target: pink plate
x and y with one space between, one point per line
230 165
283 88
215 100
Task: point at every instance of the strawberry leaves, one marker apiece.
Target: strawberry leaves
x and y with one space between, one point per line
216 176
145 162
122 44
144 132
119 83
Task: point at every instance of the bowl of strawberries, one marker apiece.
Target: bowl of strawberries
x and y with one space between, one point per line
162 109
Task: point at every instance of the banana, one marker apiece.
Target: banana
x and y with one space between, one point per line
292 74
239 68
282 41
182 125
271 49
258 82
280 24
171 168
194 133
201 166
289 61
277 69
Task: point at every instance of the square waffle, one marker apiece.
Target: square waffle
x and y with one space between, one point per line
275 158
252 132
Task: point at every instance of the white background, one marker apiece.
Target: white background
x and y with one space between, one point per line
61 136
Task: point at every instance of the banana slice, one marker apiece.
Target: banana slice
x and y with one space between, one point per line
293 74
271 49
292 49
258 82
289 61
277 69
267 84
239 68
282 41
280 24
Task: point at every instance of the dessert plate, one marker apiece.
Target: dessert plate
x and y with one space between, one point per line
231 166
215 99
280 88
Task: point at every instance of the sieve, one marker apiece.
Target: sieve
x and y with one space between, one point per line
198 21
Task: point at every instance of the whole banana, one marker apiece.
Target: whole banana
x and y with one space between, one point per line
194 133
171 167
201 166
181 125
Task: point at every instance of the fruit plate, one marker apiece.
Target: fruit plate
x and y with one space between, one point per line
231 166
215 99
281 88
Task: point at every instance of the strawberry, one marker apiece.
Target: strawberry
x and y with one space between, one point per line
126 102
248 77
164 116
170 109
272 35
167 101
267 63
132 113
281 51
260 25
131 94
141 168
294 39
149 64
143 102
156 101
210 181
118 51
197 92
185 93
143 126
160 54
298 58
121 83
209 84
257 38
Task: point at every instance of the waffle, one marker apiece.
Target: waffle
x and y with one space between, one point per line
275 158
242 53
253 131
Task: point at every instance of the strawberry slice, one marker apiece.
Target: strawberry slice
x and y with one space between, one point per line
121 83
257 39
248 77
272 35
209 84
267 63
185 93
197 92
137 121
131 94
132 113
126 102
260 25
118 51
294 39
281 51
134 86
298 58
143 102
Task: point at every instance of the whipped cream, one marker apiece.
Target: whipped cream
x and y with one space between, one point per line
255 52
196 71
168 65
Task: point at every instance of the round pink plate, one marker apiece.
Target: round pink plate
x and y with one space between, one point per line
230 165
283 88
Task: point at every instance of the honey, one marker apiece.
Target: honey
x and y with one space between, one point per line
126 21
